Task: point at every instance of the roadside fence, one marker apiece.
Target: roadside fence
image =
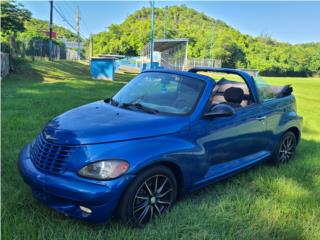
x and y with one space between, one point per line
39 49
5 64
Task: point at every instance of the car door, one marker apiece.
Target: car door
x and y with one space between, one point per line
231 142
274 110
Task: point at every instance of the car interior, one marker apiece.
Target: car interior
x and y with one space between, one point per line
176 94
231 89
234 93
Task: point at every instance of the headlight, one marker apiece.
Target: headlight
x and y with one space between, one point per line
104 170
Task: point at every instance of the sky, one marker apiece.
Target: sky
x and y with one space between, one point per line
293 22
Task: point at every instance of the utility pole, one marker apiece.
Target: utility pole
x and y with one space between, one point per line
50 31
164 22
91 46
214 34
152 34
78 31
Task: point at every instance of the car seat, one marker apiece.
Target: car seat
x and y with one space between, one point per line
233 96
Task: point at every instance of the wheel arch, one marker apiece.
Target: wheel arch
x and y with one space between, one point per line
177 173
175 168
295 131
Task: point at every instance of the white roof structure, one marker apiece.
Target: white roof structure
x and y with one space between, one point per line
173 52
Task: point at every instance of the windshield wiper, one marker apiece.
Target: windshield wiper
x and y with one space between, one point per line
140 107
128 105
111 101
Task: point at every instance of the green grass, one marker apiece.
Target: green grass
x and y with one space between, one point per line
266 202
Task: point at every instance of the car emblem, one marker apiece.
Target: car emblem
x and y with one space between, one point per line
47 136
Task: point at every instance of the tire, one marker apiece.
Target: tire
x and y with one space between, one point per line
285 150
151 194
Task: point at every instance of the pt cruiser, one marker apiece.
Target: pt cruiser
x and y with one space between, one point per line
162 135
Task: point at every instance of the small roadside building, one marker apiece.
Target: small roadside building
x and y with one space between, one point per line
103 66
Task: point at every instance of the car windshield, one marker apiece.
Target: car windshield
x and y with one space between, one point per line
158 92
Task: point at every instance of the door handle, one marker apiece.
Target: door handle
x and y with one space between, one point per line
261 118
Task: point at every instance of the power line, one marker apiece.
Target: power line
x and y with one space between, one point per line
86 26
64 18
83 17
72 7
70 10
67 15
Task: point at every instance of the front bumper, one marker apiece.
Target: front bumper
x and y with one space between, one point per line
66 193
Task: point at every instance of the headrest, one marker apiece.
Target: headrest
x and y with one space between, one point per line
224 85
234 95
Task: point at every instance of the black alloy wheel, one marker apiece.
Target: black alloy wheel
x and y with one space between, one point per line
151 195
286 148
153 198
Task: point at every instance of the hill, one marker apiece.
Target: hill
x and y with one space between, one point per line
210 38
36 28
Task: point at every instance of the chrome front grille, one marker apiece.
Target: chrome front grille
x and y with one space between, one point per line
49 157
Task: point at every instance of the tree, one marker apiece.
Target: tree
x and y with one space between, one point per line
36 29
13 17
210 38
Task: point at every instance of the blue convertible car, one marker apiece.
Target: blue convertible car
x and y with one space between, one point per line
163 134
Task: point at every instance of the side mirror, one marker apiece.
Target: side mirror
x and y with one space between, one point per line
220 110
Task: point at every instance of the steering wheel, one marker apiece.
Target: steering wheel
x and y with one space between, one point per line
181 104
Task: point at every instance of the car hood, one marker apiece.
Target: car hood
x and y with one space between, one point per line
100 122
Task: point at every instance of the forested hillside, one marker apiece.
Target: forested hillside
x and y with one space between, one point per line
35 28
18 28
210 38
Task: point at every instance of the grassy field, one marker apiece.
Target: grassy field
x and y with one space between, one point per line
266 202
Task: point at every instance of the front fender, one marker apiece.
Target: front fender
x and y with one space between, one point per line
142 153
